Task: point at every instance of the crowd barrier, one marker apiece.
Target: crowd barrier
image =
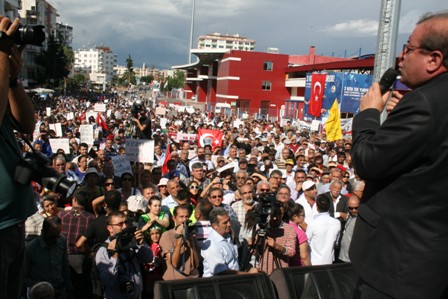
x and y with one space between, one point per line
338 281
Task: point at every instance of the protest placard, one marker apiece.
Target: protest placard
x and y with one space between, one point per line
121 165
57 128
87 134
57 143
100 107
140 150
160 111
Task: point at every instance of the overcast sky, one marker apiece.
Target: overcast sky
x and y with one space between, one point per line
157 32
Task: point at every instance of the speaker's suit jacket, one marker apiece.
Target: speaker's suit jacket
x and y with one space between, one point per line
400 242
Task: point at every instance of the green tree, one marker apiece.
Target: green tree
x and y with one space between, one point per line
129 75
55 61
76 82
147 79
177 81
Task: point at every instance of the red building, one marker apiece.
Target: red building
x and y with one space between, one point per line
257 83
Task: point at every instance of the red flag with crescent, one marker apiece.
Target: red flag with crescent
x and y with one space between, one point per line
317 94
212 137
101 121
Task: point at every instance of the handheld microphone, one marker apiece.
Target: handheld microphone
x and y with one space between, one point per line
388 79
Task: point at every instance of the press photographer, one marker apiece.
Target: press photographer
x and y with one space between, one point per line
179 248
142 120
119 263
16 200
273 240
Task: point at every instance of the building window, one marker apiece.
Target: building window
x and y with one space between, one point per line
267 66
266 85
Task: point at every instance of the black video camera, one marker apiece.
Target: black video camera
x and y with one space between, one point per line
265 208
126 241
136 108
29 35
35 167
189 230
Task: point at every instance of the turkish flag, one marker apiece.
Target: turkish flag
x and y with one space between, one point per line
165 169
212 137
317 94
101 122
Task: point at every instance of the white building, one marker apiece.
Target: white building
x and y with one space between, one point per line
225 41
100 63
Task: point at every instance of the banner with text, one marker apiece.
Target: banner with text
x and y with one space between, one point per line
139 150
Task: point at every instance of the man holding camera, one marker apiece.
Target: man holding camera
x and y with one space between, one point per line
16 200
179 247
119 263
143 123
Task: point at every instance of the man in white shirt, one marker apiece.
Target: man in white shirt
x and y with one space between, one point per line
219 252
322 233
308 200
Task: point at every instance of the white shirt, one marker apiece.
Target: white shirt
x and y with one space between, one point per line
322 233
169 202
220 254
310 211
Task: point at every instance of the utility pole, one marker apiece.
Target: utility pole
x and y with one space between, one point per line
191 30
386 44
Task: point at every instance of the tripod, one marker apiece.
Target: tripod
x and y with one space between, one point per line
259 235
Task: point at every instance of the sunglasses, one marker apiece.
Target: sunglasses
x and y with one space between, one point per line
108 184
194 187
352 208
264 190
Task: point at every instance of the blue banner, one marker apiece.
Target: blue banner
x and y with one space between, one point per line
347 88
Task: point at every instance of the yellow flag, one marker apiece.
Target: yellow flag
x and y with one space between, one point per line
333 124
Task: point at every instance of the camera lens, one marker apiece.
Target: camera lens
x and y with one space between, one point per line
29 35
59 184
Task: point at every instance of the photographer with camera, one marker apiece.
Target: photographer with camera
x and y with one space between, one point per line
119 263
142 121
179 247
16 200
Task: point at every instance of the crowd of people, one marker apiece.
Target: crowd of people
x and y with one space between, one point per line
196 211
263 197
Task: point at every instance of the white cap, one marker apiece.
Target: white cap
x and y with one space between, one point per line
307 185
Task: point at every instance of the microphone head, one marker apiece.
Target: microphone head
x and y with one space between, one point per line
388 79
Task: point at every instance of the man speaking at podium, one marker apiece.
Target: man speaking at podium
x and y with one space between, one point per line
400 243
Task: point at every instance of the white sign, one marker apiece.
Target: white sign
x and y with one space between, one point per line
121 165
237 123
139 150
48 110
284 121
70 116
57 143
172 113
315 125
57 128
163 122
160 111
185 136
87 134
100 107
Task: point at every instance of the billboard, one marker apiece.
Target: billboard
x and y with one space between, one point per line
346 88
